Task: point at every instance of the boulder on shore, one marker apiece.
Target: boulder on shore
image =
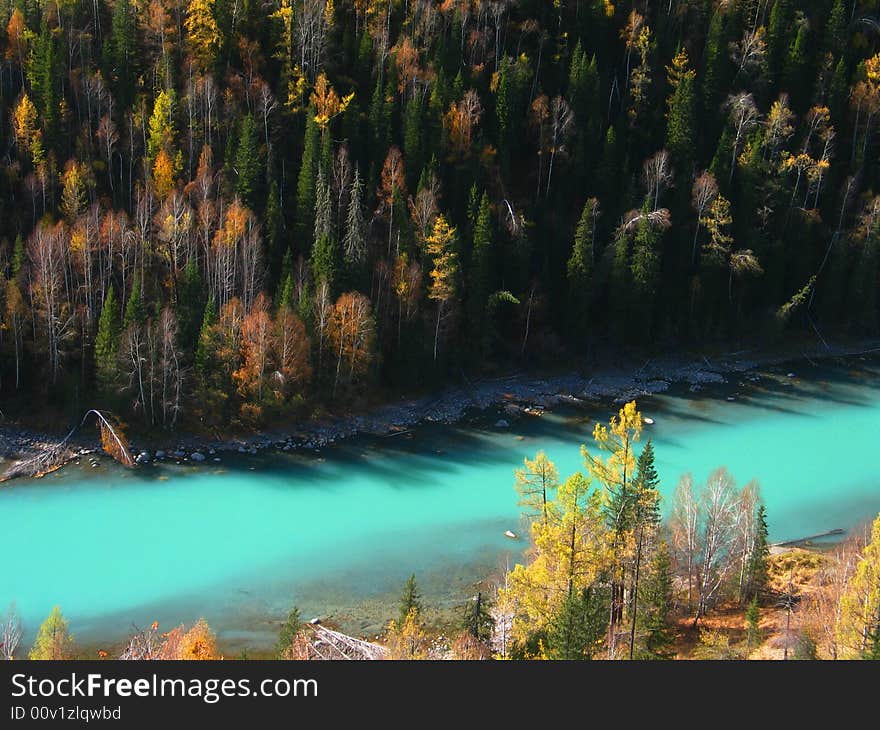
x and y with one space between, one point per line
196 456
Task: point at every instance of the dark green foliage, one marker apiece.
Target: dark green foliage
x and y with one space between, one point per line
292 625
758 577
410 600
135 308
123 51
190 309
581 270
579 625
655 613
107 343
247 163
305 186
754 634
539 277
476 619
18 256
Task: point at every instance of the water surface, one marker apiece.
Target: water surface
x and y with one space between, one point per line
240 541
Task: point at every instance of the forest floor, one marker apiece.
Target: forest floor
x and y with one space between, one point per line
611 379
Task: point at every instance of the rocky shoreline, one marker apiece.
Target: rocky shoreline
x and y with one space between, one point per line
518 393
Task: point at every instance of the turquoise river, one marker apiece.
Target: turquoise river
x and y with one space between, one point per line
337 533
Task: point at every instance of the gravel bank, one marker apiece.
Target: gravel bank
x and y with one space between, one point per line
616 383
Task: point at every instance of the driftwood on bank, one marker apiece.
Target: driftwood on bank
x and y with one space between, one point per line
54 456
316 642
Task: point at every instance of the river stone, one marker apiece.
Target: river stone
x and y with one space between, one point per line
160 454
143 457
501 423
196 456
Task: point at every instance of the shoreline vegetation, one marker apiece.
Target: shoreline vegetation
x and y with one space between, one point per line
604 577
517 392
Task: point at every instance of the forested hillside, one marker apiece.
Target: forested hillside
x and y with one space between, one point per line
227 209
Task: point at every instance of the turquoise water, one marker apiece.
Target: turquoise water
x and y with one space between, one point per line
240 541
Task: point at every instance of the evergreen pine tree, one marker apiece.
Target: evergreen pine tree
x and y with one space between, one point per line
579 624
656 605
757 569
482 266
477 619
324 257
754 635
305 186
189 310
135 311
354 243
247 163
275 241
778 30
412 139
289 629
680 117
123 51
580 269
411 600
203 354
107 343
19 256
797 73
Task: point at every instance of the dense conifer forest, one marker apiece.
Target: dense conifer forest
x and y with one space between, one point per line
231 210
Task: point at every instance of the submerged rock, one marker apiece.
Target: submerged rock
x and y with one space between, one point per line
502 423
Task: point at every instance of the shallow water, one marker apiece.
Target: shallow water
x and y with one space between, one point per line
240 541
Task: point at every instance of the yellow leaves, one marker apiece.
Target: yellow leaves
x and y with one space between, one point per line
571 549
163 174
16 37
860 604
461 119
716 221
73 190
439 248
617 439
202 31
536 483
296 90
24 124
609 8
327 102
234 224
199 643
409 641
872 70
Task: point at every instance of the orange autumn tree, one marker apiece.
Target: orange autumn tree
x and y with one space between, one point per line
327 102
292 355
461 121
256 346
199 643
351 331
163 174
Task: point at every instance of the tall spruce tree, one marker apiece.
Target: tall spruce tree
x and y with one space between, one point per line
758 569
247 163
305 186
579 624
107 343
477 618
411 600
656 632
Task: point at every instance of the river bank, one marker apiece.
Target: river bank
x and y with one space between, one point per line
518 393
